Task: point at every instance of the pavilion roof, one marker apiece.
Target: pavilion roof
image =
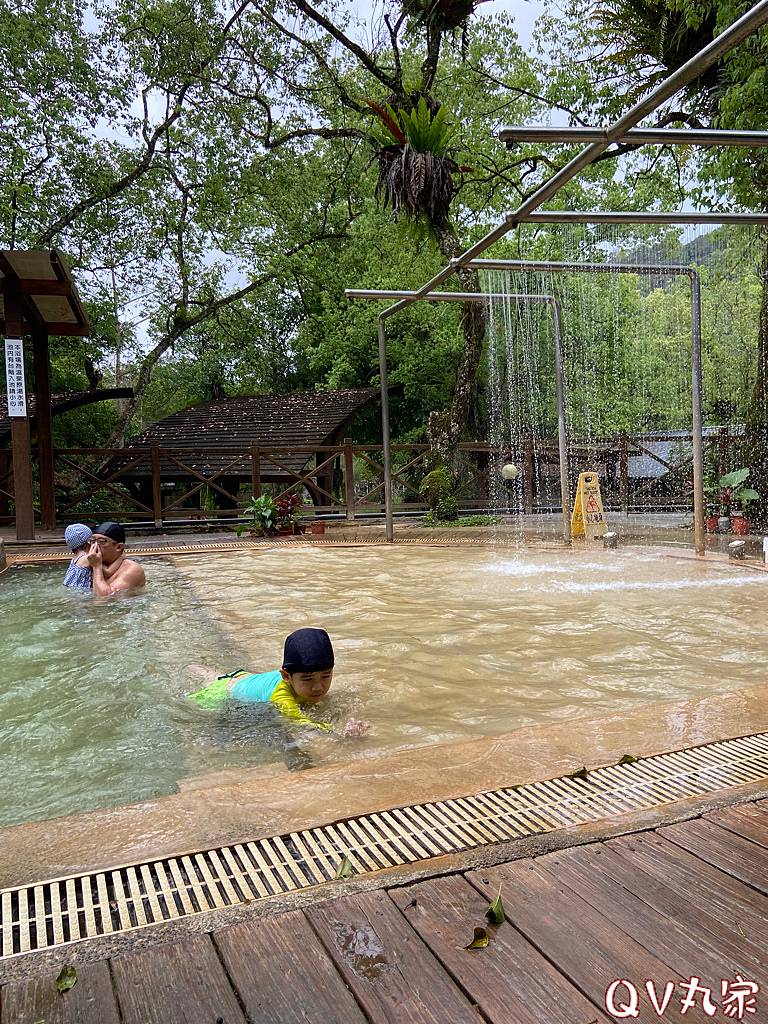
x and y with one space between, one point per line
302 419
50 301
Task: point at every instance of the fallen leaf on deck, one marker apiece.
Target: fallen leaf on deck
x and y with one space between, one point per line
67 979
480 940
345 869
495 911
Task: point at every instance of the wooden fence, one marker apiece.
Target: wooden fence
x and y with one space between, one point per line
161 486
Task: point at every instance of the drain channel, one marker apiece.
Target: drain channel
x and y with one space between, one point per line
64 910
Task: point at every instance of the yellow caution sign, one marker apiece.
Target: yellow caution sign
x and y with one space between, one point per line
588 518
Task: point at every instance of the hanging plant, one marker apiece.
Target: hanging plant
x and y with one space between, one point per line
441 15
415 171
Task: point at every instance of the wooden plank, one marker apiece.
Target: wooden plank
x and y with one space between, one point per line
748 820
390 970
733 854
90 1001
699 883
283 974
509 980
184 983
660 892
588 950
655 916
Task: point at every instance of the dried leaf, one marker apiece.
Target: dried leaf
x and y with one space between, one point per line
495 911
628 759
345 869
67 979
580 773
480 939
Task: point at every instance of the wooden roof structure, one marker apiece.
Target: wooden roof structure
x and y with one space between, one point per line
303 420
37 297
49 298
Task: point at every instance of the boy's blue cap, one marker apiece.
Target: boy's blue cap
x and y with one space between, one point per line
77 535
308 650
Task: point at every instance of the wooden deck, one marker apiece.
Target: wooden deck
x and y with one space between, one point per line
684 901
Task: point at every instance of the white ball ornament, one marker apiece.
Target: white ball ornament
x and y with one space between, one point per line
510 471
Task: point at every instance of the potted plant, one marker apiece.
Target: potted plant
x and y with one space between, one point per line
736 499
263 517
288 510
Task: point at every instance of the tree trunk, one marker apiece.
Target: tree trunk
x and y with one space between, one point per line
756 438
446 429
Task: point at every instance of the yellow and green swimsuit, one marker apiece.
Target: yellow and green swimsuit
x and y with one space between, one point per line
262 687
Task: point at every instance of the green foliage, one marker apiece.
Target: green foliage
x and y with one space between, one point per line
424 131
437 486
442 15
263 517
432 519
733 492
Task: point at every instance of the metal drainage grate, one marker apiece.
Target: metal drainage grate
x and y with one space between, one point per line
64 910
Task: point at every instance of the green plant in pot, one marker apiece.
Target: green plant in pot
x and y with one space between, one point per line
262 521
736 499
289 508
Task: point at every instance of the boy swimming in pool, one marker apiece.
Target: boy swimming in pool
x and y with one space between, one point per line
304 679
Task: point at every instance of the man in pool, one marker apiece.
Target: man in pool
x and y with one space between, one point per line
107 546
303 681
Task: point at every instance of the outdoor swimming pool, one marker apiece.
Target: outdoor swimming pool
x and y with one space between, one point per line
433 644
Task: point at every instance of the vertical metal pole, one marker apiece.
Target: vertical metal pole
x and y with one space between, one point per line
385 429
698 442
562 440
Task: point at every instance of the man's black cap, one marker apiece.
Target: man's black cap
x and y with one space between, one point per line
114 531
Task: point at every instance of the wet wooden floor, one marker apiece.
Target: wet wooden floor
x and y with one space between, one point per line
684 907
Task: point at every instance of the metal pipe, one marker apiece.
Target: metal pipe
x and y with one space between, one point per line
390 528
697 419
635 136
705 58
545 266
371 293
618 217
392 293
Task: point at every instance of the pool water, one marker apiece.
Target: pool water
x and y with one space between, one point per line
93 710
432 644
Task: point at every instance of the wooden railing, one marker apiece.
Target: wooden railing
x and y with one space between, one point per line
161 486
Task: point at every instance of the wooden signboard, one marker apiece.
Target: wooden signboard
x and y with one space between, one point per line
14 376
588 518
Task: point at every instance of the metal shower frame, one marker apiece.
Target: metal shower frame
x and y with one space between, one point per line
744 26
484 297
